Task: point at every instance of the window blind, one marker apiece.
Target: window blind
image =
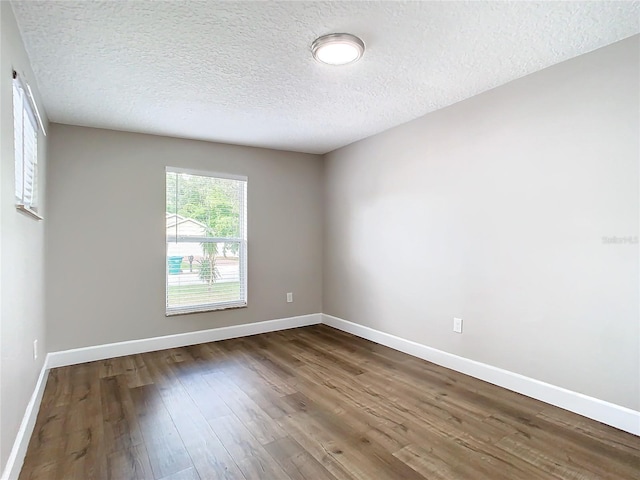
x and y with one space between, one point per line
25 130
206 233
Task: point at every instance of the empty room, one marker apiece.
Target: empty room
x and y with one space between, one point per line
319 240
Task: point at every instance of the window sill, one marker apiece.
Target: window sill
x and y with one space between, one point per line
27 211
204 308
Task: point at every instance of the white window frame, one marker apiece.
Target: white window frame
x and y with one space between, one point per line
25 104
242 240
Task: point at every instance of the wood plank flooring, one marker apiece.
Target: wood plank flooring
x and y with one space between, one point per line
312 403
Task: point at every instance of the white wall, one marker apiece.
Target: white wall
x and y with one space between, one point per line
21 254
107 287
497 207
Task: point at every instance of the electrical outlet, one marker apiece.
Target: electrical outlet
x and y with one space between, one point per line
289 297
35 349
457 325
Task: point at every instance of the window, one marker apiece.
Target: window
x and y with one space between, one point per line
206 261
26 120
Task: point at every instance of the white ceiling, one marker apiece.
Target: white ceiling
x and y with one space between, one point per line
242 72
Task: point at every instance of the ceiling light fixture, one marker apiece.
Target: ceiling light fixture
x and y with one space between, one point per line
337 49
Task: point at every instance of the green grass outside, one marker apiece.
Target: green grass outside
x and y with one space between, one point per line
199 294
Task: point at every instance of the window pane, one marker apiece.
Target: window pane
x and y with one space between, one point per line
206 249
30 153
201 274
214 203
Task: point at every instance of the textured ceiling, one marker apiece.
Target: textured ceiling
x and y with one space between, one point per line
242 72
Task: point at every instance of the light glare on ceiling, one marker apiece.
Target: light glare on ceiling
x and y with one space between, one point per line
337 49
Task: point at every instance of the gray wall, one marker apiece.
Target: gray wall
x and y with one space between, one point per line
494 210
21 254
106 234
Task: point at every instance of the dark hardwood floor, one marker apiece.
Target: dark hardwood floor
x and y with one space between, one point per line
311 403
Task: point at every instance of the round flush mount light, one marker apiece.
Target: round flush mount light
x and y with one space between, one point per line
337 49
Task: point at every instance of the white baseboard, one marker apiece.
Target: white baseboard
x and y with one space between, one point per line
605 412
130 347
19 449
